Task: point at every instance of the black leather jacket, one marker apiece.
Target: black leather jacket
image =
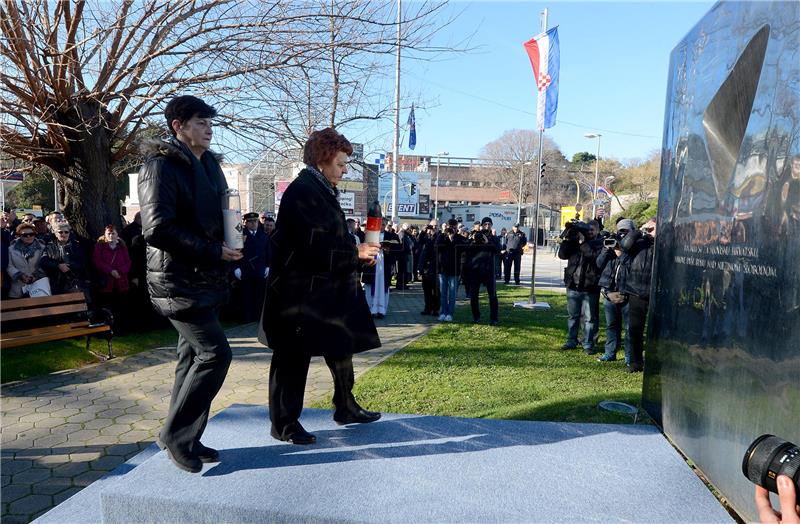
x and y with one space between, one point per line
181 203
581 273
639 265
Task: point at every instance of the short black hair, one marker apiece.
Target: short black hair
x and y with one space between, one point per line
269 219
351 220
183 108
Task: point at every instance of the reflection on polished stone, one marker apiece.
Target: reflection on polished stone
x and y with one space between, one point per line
722 362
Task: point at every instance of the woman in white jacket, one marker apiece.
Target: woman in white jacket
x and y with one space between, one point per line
23 260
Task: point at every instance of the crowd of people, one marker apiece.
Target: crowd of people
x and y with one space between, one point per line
617 266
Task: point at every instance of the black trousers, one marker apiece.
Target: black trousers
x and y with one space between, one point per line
430 290
287 383
253 290
204 357
637 316
489 283
512 257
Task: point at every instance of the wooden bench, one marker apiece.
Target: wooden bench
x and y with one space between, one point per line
33 320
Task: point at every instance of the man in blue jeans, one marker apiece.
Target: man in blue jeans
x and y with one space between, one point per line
580 248
449 247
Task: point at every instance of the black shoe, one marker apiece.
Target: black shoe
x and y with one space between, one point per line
424 312
379 316
589 351
566 347
494 322
206 454
635 368
356 416
476 321
185 461
294 433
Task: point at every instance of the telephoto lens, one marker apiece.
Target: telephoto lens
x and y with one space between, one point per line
769 456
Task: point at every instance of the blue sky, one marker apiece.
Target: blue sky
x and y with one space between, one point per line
614 60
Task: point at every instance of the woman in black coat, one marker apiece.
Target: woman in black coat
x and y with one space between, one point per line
314 303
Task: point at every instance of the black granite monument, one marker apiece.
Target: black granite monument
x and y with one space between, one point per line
723 361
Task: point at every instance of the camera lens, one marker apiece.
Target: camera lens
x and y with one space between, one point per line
769 456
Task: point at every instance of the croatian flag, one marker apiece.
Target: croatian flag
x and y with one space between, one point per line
605 190
544 55
412 124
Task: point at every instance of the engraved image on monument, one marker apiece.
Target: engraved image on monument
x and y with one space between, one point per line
723 365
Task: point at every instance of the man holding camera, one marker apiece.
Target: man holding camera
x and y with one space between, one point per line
581 247
611 262
638 246
479 264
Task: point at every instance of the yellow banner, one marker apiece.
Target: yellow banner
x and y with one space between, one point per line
350 185
567 214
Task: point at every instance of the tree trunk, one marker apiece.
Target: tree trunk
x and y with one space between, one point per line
90 193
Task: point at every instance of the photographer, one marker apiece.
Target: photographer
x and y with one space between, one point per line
615 304
427 269
638 246
581 248
478 262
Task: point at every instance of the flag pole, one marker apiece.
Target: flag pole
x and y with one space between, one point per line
538 175
396 151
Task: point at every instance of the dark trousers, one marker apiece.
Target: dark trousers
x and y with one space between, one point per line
513 257
491 288
430 291
253 290
402 276
204 357
637 316
287 383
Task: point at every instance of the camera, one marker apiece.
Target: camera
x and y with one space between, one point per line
769 456
610 242
573 227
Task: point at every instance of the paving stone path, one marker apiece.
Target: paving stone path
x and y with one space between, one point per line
63 431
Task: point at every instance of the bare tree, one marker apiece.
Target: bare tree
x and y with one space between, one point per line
81 79
517 150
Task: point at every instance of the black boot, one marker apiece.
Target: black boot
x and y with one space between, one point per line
347 410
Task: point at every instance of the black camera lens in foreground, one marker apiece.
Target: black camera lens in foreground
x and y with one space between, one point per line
769 456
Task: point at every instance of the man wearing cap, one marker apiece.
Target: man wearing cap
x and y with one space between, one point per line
638 245
479 264
611 262
515 242
253 269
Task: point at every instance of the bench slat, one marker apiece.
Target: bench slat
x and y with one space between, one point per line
43 311
46 337
45 329
24 303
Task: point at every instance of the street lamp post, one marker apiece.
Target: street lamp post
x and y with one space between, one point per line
596 169
436 203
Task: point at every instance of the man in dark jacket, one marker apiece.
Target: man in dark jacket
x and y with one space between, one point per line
515 243
479 263
253 268
181 188
638 246
427 269
580 248
449 247
63 261
611 262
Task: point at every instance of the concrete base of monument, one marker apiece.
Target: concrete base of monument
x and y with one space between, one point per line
532 305
408 468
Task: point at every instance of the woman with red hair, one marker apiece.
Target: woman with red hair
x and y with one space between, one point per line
315 304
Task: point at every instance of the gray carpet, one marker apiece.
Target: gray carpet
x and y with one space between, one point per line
408 468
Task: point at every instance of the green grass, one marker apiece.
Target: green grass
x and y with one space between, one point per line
514 371
38 359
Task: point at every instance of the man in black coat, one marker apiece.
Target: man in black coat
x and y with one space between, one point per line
581 247
638 246
515 243
427 269
181 188
315 304
479 264
253 268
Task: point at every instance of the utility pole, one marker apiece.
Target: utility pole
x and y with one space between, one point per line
396 150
